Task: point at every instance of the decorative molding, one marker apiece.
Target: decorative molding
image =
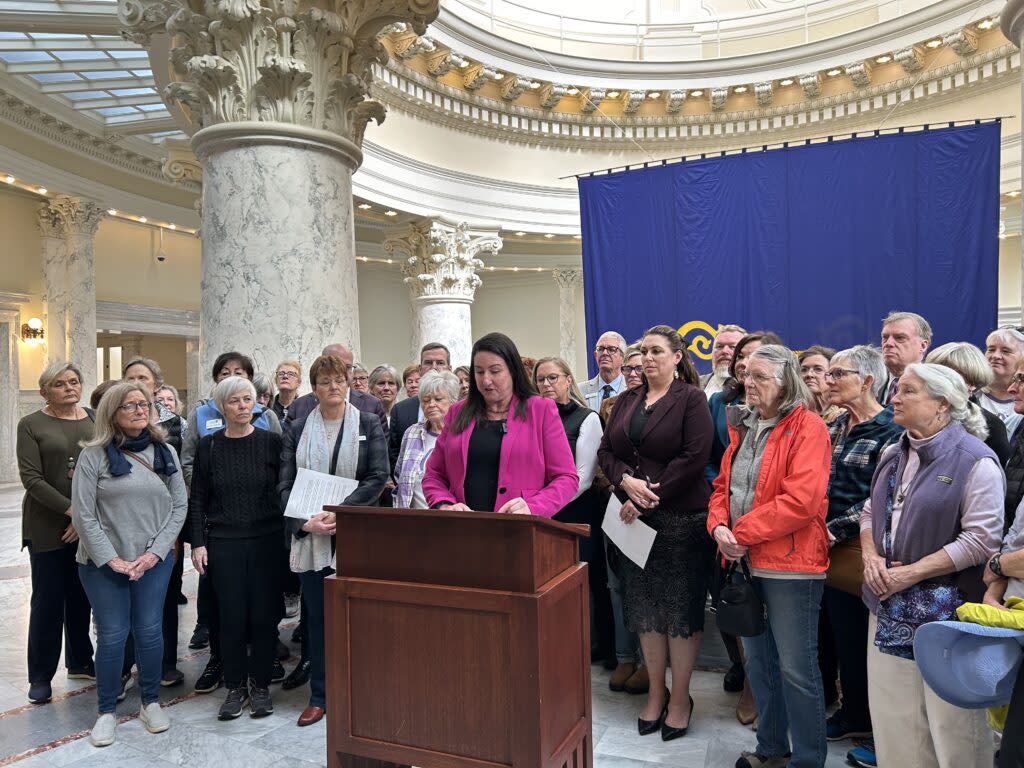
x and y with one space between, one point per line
764 93
591 98
718 99
64 216
674 100
811 85
910 58
550 94
268 61
10 299
512 87
181 164
963 41
633 100
137 318
859 73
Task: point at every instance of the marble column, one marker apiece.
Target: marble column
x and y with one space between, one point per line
569 282
194 377
68 226
440 267
1012 23
10 327
277 95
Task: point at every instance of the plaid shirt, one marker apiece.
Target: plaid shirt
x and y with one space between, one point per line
854 457
417 446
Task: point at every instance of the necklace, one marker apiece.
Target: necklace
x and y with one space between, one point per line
902 493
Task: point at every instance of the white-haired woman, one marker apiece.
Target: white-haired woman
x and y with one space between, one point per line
855 379
360 377
1004 350
265 389
384 386
128 506
48 446
438 390
933 519
769 507
236 525
967 360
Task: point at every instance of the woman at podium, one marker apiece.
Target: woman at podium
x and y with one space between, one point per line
503 448
654 451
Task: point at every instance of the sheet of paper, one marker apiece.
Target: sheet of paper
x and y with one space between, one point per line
313 490
634 540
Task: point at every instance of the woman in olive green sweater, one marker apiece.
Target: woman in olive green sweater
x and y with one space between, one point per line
47 449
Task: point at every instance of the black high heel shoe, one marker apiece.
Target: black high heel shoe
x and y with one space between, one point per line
669 732
646 727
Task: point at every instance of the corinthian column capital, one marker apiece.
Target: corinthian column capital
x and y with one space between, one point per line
63 216
303 62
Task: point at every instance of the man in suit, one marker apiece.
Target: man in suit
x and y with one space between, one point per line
609 353
906 337
726 339
433 357
363 402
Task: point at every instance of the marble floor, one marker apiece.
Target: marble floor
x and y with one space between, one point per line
55 735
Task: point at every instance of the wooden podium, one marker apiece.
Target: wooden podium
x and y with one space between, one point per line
457 640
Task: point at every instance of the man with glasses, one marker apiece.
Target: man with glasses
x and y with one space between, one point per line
609 352
906 337
288 378
726 339
434 356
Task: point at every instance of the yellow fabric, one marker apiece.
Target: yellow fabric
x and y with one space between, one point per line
990 616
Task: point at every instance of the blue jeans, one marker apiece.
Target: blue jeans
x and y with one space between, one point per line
120 605
313 596
782 663
626 642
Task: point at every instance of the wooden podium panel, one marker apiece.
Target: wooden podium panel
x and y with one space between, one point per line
443 675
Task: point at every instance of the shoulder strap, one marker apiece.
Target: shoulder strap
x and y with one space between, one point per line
90 413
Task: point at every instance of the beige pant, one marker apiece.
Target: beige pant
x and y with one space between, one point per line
913 727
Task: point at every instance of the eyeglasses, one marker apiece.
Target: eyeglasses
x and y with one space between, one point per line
629 370
837 373
360 378
287 375
607 350
551 379
328 382
138 405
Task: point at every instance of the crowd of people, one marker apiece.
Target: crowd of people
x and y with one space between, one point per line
861 493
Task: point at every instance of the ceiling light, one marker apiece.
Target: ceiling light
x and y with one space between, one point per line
548 235
654 95
1014 193
143 219
364 206
9 179
935 43
986 24
111 212
696 94
540 269
520 234
515 269
533 87
43 190
463 64
573 91
740 89
390 213
172 226
883 59
613 94
363 259
498 75
787 82
577 237
834 72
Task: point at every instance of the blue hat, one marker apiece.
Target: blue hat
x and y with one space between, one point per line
969 665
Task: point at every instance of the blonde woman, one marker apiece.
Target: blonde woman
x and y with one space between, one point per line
128 506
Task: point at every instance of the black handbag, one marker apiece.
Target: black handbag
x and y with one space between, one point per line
740 610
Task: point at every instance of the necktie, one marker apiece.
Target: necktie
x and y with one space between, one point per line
607 391
892 389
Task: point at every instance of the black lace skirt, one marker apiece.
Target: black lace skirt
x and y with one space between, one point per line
668 596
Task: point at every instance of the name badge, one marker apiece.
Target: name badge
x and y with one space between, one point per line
214 423
945 479
362 438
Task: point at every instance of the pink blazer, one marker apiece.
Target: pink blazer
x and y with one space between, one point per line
536 462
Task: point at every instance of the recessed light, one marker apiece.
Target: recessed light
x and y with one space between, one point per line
740 89
540 269
491 268
787 82
520 234
548 235
515 269
364 206
577 237
363 258
111 212
9 179
463 64
696 94
498 75
654 95
613 94
390 261
390 213
883 59
43 190
533 87
935 43
143 219
986 24
834 72
1014 193
573 91
172 226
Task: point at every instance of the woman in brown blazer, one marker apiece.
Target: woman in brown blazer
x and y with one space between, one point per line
654 451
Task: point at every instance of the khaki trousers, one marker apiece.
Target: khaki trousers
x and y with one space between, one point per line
913 727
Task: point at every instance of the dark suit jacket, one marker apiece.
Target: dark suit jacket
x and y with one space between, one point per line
303 406
403 415
371 470
673 448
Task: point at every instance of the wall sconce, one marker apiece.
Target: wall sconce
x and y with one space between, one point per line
32 332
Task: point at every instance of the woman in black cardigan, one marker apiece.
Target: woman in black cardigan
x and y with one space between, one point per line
337 439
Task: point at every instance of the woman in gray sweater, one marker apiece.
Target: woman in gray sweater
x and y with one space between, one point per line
128 506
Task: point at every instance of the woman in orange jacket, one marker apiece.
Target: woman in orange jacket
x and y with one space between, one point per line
769 506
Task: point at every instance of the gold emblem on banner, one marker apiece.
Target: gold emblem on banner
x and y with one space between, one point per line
702 337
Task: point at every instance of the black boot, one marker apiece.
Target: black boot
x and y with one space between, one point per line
298 676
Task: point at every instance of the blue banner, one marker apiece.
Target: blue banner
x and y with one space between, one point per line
816 242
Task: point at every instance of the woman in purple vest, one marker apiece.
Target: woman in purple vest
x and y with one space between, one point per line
934 517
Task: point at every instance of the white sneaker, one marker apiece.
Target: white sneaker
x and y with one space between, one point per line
102 734
154 718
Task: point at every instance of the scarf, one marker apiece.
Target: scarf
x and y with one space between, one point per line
313 551
163 462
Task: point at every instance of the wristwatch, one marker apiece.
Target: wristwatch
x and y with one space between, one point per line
994 565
